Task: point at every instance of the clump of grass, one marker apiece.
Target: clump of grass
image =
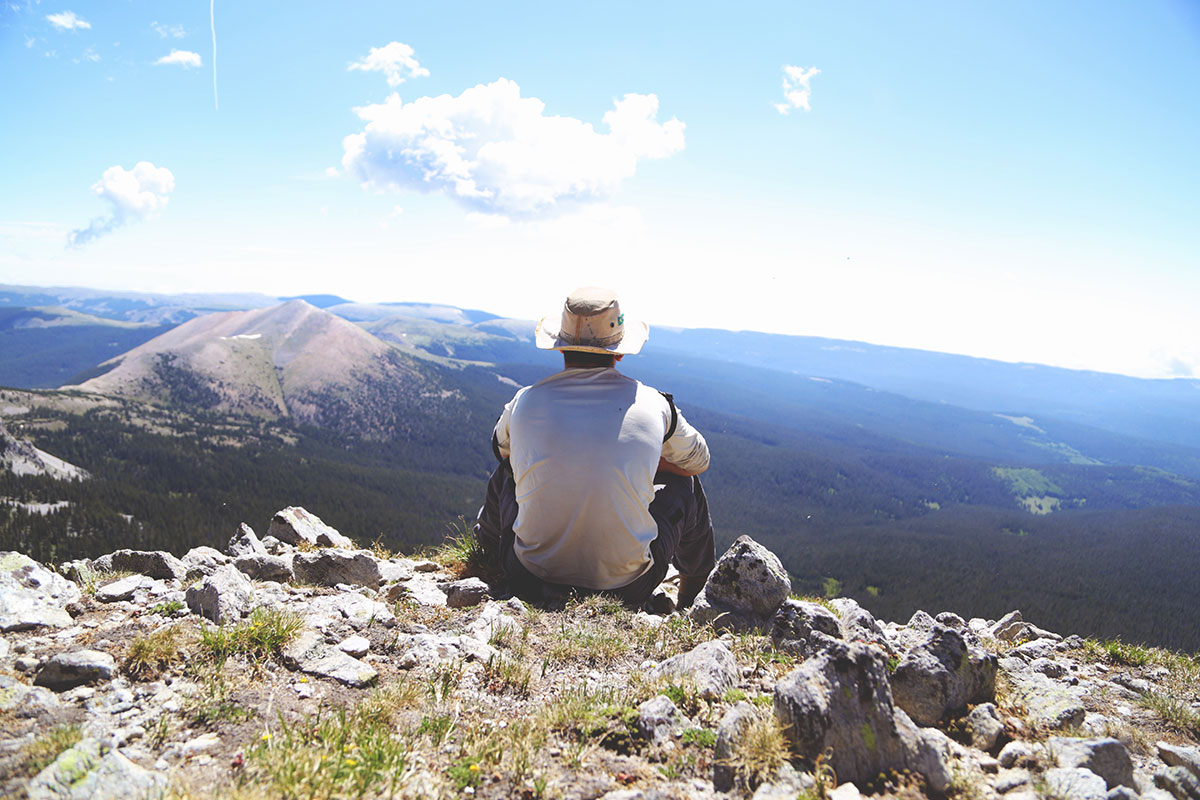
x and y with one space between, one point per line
1173 711
260 637
44 749
761 751
508 675
595 641
346 753
701 737
678 634
167 608
464 555
151 654
1117 652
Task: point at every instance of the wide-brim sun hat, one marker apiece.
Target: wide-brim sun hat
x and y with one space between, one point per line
592 322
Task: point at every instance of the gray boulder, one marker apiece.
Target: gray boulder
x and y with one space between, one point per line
309 653
1046 702
658 719
1107 758
858 624
746 587
263 567
985 727
1174 756
803 628
245 543
125 588
68 670
225 596
88 771
841 700
152 563
24 701
32 596
201 561
294 525
330 567
938 678
1179 781
467 592
1074 783
709 666
1012 628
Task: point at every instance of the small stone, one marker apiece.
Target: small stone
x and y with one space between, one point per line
122 589
730 733
465 593
709 666
245 543
658 719
1107 758
68 670
355 646
1014 753
224 596
330 567
1010 779
1179 781
201 743
1074 783
1174 756
264 567
985 727
294 525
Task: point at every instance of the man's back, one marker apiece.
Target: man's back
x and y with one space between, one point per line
584 446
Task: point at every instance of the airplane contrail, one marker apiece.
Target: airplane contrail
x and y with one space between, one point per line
212 21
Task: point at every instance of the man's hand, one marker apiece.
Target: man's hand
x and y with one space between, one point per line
667 466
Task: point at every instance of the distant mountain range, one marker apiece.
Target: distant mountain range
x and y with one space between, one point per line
824 449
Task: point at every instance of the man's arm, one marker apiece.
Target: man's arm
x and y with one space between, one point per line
667 466
686 452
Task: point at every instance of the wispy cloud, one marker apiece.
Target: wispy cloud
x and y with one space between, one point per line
68 21
495 152
168 31
796 91
133 194
89 54
396 60
182 58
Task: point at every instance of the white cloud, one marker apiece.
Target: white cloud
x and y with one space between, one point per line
134 194
495 152
796 90
168 31
89 54
396 60
183 58
29 41
67 21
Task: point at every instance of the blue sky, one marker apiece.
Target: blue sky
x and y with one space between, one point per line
1016 180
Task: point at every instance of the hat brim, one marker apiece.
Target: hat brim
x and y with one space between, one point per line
546 337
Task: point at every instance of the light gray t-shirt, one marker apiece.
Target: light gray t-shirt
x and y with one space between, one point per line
584 446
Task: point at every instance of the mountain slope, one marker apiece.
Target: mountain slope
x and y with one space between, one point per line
288 361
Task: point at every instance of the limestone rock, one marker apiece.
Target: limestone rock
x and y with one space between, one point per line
938 678
359 611
1179 781
803 628
658 719
152 563
309 653
465 593
709 666
1107 758
225 596
32 596
858 625
88 771
985 727
264 567
842 700
68 670
1014 753
355 646
746 587
294 525
1174 756
245 543
730 733
1074 783
1046 702
24 701
125 588
201 561
330 567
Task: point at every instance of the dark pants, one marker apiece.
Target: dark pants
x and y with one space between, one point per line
685 537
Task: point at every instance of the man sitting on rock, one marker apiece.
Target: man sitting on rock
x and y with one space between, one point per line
596 490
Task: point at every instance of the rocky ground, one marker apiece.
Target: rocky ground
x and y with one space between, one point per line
299 666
